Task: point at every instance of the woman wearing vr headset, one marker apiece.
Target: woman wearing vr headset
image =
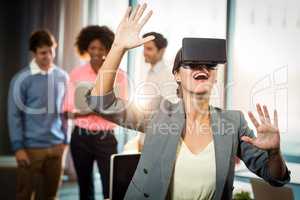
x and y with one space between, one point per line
190 147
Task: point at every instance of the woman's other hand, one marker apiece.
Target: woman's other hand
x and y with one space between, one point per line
268 137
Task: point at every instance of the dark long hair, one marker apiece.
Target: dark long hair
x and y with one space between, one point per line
176 66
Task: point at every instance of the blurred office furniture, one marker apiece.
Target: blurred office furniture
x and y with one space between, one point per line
243 176
264 191
8 179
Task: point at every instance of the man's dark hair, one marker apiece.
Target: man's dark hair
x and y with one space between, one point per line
91 33
160 41
41 38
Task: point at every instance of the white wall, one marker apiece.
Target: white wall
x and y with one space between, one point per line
264 65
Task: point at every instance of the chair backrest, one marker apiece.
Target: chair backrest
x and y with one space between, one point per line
122 169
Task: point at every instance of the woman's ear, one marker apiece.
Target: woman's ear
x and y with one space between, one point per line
177 77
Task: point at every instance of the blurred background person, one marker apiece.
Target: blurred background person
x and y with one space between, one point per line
36 128
93 137
154 78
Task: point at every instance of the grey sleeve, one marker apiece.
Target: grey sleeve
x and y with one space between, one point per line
119 111
256 159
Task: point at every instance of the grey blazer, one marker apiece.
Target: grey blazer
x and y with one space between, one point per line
163 123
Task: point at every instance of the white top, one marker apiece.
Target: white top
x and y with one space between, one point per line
194 175
156 81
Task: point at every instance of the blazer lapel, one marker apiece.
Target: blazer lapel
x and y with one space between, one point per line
222 144
223 147
176 119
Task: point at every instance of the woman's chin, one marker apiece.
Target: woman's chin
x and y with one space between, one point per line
201 91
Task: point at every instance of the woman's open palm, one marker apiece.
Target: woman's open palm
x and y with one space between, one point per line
128 31
268 136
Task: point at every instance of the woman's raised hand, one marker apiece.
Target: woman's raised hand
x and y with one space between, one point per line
268 137
128 31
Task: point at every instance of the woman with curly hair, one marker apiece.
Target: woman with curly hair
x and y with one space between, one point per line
93 137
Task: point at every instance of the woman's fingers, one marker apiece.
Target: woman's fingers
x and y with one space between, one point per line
248 139
147 39
253 119
140 13
275 119
145 19
137 14
260 113
134 12
126 16
266 113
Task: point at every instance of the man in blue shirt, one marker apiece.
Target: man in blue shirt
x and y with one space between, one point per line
36 123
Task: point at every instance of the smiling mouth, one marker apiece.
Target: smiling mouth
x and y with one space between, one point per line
200 76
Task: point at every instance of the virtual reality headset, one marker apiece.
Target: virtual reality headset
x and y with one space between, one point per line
203 51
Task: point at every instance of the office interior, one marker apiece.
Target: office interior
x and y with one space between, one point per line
263 48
